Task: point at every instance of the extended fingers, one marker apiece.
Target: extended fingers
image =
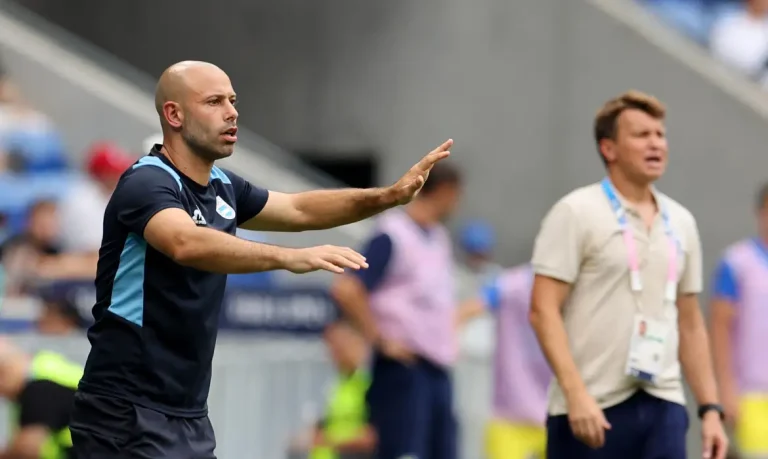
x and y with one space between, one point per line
340 258
445 146
353 256
328 266
428 161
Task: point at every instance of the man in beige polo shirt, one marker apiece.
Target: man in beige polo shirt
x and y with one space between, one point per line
618 269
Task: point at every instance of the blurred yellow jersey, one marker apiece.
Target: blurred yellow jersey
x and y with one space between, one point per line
752 426
506 440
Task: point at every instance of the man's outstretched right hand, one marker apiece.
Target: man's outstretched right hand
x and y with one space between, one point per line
325 257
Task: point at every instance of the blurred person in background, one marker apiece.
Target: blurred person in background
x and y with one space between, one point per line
694 18
8 92
40 389
405 305
740 40
3 238
29 143
739 326
82 208
34 255
344 432
28 139
521 373
687 16
477 241
59 314
24 254
609 257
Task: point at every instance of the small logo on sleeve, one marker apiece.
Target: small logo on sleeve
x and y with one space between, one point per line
224 209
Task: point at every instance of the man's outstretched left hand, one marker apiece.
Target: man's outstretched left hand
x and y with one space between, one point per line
409 185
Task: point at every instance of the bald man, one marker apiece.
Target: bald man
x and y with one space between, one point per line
168 245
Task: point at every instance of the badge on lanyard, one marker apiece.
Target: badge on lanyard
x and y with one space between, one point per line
647 348
649 337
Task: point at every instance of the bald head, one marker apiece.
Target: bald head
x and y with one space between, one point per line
182 77
196 103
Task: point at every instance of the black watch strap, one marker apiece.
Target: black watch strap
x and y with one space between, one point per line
704 409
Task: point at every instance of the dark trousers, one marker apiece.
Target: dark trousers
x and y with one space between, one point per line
411 408
110 428
643 427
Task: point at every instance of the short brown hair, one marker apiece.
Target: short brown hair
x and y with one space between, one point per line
607 116
443 173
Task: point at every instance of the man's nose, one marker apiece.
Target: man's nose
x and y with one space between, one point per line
231 114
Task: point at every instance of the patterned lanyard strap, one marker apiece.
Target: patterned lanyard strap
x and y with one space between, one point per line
635 278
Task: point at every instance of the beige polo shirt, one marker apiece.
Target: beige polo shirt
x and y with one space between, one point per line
581 242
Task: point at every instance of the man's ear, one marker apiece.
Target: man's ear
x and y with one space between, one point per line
173 114
608 150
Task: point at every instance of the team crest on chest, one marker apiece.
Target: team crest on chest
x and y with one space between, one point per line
224 209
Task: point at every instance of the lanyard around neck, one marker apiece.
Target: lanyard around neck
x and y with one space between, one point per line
636 281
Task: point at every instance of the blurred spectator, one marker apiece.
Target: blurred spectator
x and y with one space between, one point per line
23 254
738 324
688 16
478 241
82 209
29 140
344 432
694 18
405 305
8 92
33 256
521 373
59 314
740 40
39 389
4 230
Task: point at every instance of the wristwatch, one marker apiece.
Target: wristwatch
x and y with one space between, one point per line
704 409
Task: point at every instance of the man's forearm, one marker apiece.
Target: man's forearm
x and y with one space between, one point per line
215 251
695 358
553 339
722 349
324 209
724 368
